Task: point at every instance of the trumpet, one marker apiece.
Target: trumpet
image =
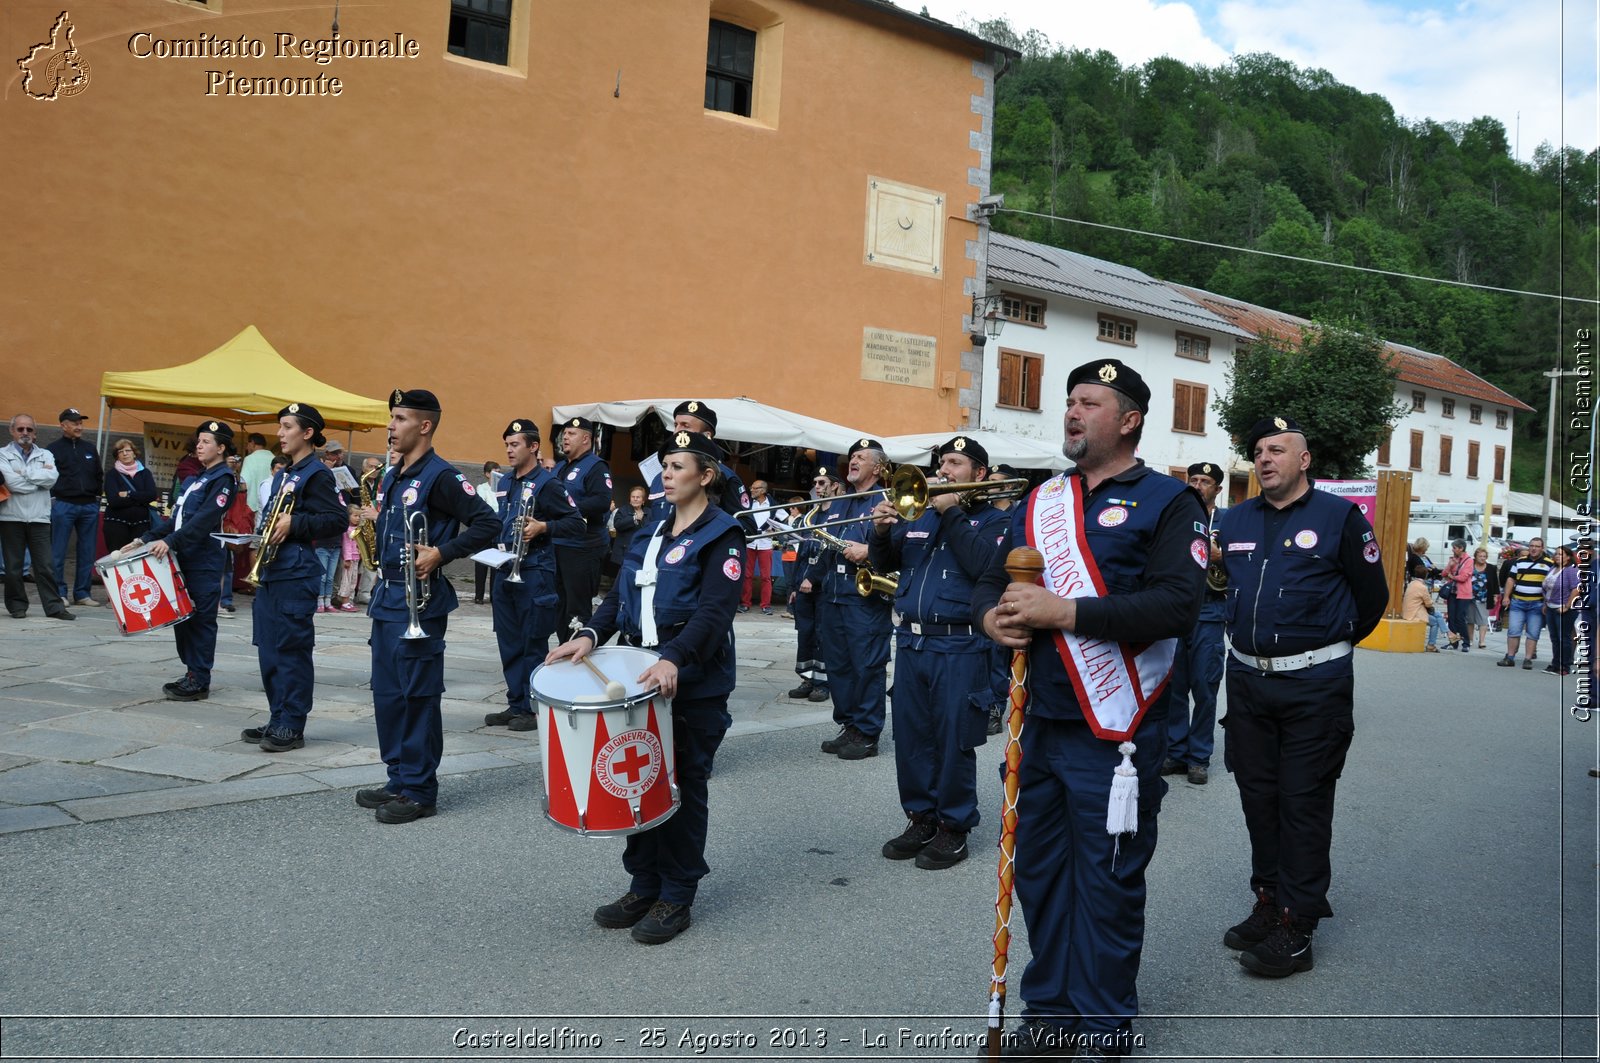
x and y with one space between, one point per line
282 506
869 582
417 592
519 545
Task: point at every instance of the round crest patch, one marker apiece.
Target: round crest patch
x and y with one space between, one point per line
629 764
468 488
1200 552
140 593
516 426
212 426
1053 488
294 407
1111 516
409 497
1370 552
730 568
1305 539
573 475
674 556
222 500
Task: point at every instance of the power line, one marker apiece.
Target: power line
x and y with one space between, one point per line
1298 258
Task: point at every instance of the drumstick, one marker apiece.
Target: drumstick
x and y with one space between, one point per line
614 690
1023 565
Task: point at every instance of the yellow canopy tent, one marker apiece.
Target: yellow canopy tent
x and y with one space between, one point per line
244 381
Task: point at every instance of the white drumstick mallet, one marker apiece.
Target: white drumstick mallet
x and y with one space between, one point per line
614 690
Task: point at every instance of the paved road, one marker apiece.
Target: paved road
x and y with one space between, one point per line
295 925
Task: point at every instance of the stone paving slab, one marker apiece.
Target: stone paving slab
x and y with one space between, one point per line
47 782
33 817
196 796
48 743
184 763
18 711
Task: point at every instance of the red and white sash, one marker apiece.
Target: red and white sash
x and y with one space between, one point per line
1115 682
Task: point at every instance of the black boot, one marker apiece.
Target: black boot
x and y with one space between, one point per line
1254 930
1287 948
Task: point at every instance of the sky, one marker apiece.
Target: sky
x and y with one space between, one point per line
1445 61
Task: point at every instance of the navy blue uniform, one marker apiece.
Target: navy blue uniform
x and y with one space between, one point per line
587 482
854 631
941 677
697 577
1082 890
735 499
408 674
1196 674
809 662
1302 578
283 633
525 612
198 513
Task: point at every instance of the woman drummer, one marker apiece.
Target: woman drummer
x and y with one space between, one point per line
691 566
186 534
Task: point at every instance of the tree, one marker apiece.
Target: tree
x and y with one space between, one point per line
1337 383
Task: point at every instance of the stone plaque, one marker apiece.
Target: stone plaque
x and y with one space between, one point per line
897 357
905 227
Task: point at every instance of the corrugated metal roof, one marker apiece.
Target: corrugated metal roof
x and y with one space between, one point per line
1419 367
1051 269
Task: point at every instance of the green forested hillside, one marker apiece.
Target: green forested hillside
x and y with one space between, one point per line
1261 154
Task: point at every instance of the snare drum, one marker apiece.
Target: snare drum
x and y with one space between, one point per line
608 765
146 591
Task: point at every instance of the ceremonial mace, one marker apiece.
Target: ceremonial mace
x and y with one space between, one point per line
1023 565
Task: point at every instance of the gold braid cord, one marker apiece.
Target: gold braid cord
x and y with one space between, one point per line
1008 850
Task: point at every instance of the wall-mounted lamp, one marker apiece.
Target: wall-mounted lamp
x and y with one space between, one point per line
986 309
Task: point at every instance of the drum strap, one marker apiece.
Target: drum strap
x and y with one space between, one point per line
645 580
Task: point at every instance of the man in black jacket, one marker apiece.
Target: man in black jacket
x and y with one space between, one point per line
75 505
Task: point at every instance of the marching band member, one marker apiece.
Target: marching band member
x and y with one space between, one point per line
808 660
187 534
408 673
525 611
587 480
941 679
1125 555
854 630
284 634
693 415
676 594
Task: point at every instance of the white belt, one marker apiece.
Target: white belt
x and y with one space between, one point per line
1296 661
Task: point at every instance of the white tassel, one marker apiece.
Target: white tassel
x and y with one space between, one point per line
1122 810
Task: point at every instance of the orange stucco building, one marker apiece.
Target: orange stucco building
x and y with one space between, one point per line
564 221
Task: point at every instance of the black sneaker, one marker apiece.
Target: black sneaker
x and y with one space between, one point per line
819 694
1173 767
1287 948
1199 774
623 912
664 922
281 741
858 746
918 833
1037 1039
376 797
65 614
1256 926
253 735
836 743
1505 662
403 810
948 848
803 690
524 721
1527 664
186 689
497 719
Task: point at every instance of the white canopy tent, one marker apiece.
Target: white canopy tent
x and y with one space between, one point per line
1003 448
744 420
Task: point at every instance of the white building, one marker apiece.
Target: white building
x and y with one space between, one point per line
1063 309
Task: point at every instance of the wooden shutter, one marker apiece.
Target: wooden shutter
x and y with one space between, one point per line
1416 450
1446 444
1499 464
1032 371
1009 379
1383 449
1472 459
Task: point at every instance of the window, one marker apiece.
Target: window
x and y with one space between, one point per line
1383 449
480 29
1472 459
1188 407
1446 444
730 68
1117 329
1416 451
1499 464
1019 380
1026 311
1419 401
1475 413
1196 347
1447 407
1500 418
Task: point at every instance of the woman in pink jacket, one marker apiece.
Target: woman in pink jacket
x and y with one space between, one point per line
1457 593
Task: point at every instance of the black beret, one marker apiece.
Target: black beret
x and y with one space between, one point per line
1006 471
308 416
828 472
1115 375
1269 426
696 408
522 426
965 445
863 444
415 399
1205 468
579 422
221 431
694 443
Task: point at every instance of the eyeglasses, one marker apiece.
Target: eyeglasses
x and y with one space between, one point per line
16 428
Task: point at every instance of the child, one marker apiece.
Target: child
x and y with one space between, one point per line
344 594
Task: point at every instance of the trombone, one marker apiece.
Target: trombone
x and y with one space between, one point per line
909 491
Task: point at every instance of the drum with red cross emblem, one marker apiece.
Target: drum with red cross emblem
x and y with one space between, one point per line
608 763
146 591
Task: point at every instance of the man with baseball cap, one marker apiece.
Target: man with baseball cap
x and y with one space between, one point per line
1305 583
75 506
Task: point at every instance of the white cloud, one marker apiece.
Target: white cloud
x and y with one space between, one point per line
1448 62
